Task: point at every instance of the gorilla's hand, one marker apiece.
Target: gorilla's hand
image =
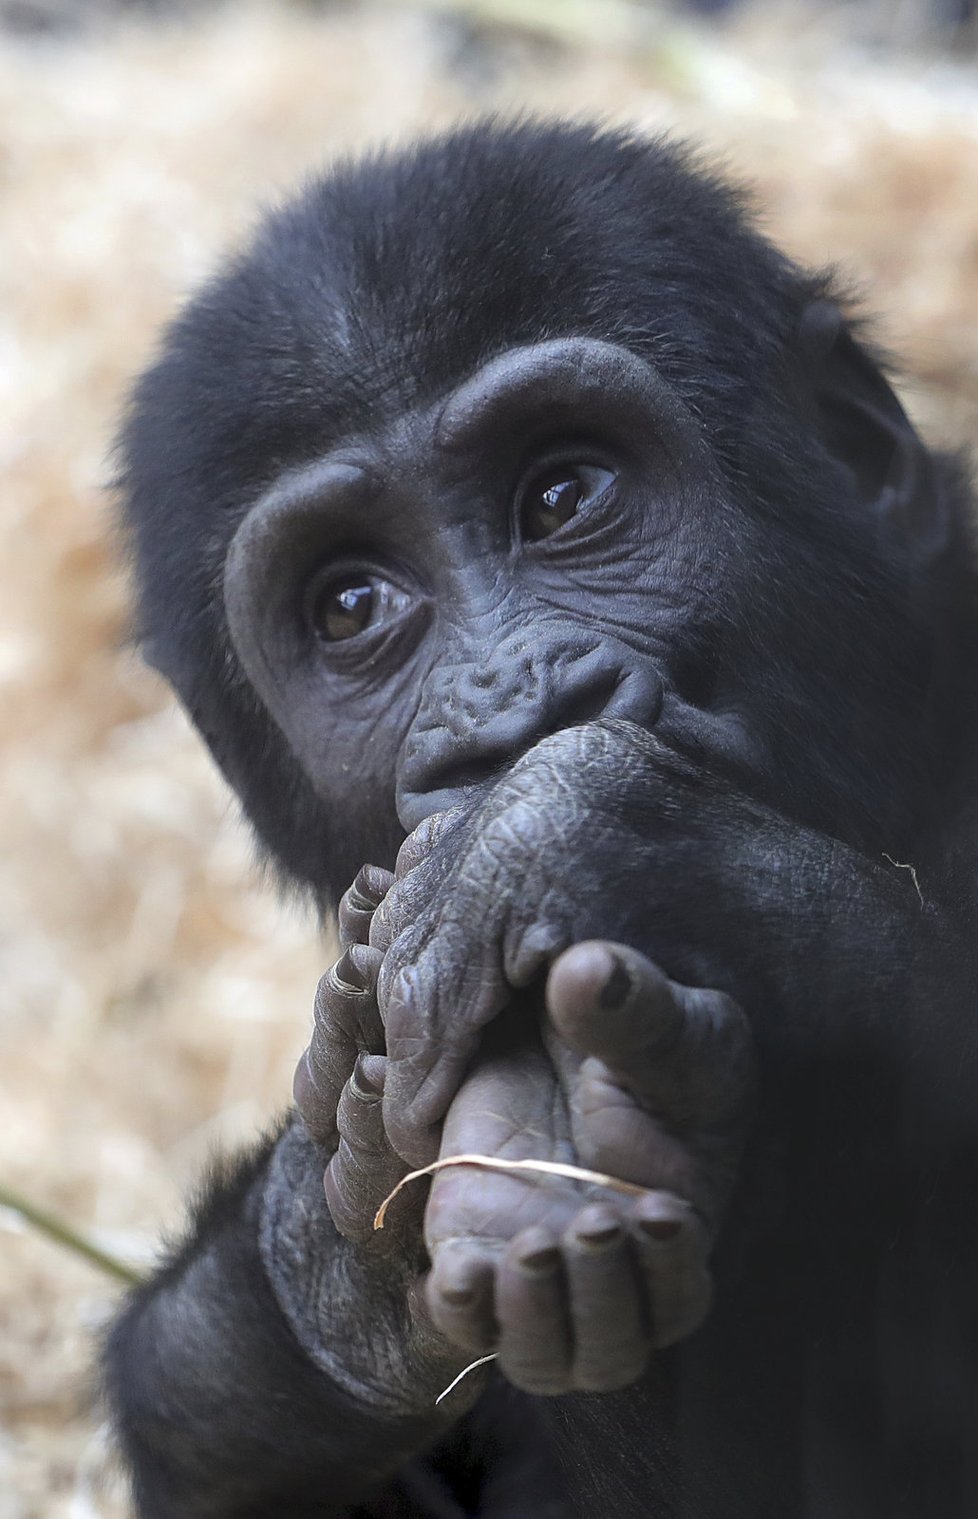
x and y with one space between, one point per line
574 1285
600 832
571 1285
397 1361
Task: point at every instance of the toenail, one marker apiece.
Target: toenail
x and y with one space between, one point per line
459 1297
599 1234
617 988
661 1228
541 1260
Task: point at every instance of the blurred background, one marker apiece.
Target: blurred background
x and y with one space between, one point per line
154 993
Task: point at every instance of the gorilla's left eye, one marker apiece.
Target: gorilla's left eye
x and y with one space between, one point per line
344 606
554 496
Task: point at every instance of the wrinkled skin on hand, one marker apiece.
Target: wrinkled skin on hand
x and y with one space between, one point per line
628 1073
528 970
397 1362
571 1285
486 899
605 832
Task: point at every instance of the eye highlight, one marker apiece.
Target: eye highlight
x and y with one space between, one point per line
553 496
346 605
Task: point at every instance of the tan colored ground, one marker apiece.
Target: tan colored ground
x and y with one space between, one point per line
154 996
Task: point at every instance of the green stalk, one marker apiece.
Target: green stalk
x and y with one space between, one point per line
68 1237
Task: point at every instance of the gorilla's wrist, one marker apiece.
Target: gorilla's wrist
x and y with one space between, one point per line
349 1308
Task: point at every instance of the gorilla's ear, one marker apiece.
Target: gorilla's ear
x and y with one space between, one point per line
864 426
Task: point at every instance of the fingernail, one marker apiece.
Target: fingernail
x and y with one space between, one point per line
369 888
541 1260
366 963
369 1072
661 1228
347 974
616 989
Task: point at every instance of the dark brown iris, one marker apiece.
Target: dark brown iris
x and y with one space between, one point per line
550 502
343 609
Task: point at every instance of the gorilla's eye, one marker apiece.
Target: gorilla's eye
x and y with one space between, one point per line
346 605
558 494
343 611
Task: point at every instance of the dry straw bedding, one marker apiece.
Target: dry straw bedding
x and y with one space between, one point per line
155 994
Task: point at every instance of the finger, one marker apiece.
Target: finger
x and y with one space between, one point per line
345 1021
359 903
688 1050
412 889
610 1001
418 844
325 1065
422 841
314 1101
672 1248
535 1344
345 1008
364 1169
433 1012
610 1328
459 1295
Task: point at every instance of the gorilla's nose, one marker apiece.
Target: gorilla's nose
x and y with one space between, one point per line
474 724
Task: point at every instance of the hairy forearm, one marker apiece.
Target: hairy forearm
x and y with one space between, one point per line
220 1411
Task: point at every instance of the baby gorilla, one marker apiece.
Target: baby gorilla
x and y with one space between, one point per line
511 503
632 1075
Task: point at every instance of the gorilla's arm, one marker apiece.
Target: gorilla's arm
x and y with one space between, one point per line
281 1364
219 1409
286 1356
226 1405
859 981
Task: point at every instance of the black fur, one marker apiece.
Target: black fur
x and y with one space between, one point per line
817 642
389 280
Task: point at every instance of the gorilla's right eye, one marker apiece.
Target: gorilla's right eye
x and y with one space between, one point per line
555 495
347 605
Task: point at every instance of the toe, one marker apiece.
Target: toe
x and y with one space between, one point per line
535 1346
610 1325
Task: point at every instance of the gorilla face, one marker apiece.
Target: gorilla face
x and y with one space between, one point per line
420 606
443 465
